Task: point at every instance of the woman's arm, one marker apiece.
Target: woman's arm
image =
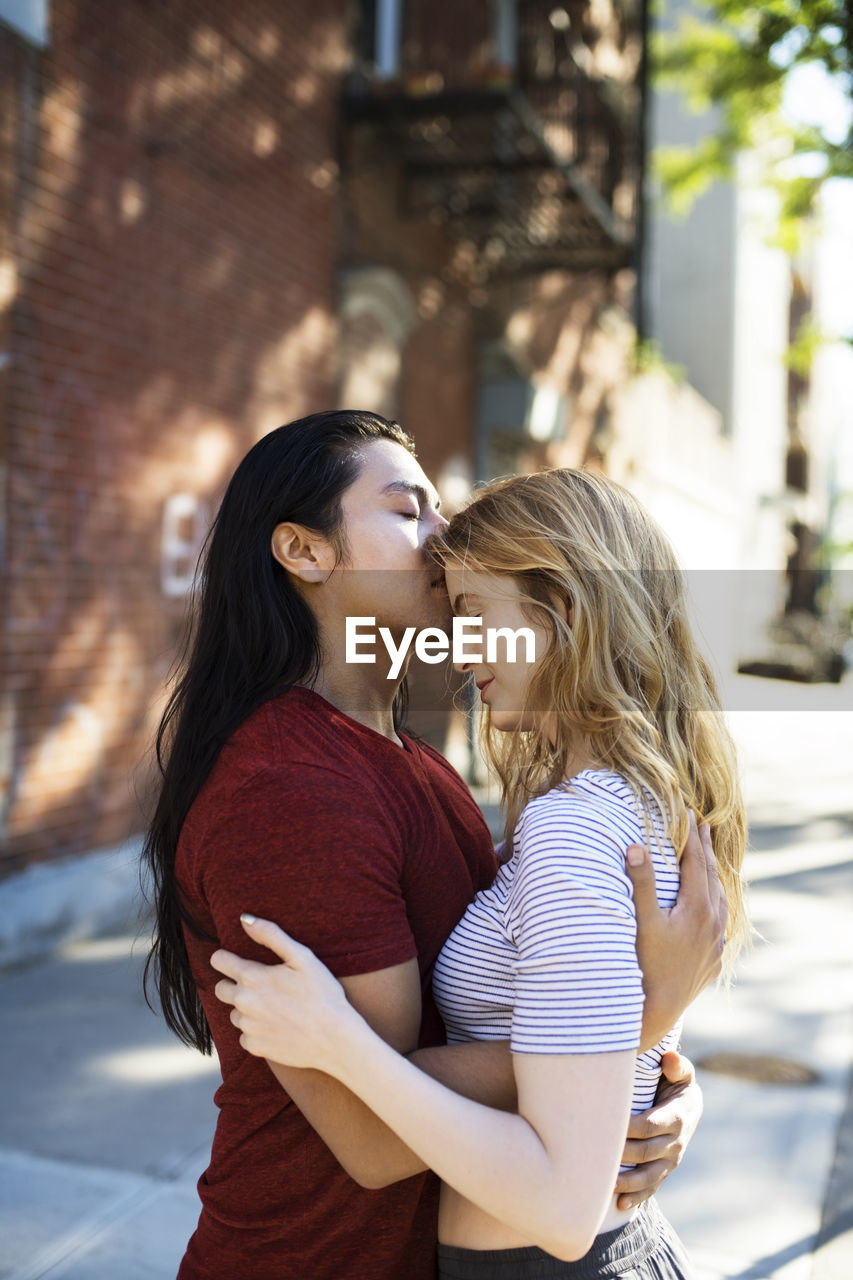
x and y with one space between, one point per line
523 1169
679 952
548 1172
482 1070
366 1148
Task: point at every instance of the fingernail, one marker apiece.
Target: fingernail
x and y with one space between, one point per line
636 856
629 1204
246 918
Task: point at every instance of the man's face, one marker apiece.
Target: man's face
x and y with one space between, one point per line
387 515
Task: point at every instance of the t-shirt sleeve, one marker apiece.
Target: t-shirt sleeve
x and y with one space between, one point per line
577 983
312 850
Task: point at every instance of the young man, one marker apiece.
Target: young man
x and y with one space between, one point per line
288 791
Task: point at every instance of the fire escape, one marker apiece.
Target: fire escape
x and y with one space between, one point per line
528 154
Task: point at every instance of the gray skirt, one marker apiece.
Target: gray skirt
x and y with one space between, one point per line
647 1248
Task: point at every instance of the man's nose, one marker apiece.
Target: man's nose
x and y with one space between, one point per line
432 523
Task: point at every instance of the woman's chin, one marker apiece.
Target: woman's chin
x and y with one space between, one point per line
513 721
504 721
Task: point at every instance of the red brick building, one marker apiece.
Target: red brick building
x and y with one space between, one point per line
217 217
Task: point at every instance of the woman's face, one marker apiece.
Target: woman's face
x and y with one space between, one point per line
496 600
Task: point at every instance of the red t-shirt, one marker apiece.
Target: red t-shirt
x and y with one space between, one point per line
369 853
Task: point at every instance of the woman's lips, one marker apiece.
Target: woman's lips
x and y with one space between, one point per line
484 686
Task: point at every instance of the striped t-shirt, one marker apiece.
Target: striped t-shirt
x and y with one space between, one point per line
545 957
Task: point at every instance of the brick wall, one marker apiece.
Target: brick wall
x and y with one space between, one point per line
167 187
181 206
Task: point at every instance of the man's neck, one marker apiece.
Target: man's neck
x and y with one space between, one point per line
360 696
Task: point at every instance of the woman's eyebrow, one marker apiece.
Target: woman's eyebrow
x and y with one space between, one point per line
425 498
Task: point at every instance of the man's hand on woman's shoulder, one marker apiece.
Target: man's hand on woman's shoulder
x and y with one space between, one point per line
680 948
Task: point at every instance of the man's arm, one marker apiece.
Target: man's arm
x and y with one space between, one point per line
680 948
680 952
390 1001
658 1138
279 847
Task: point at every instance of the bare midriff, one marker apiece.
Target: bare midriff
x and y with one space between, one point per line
462 1224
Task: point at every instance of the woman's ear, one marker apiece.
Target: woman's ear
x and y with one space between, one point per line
306 554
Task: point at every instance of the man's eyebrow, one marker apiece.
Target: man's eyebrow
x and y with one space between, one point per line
425 498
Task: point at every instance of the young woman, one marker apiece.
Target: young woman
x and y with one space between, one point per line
608 738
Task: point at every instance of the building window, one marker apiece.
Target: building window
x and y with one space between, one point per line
377 314
28 17
514 414
505 32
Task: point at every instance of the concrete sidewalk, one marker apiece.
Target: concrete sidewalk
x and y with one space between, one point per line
767 1186
107 1120
106 1125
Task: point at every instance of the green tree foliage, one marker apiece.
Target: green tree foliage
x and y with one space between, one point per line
737 57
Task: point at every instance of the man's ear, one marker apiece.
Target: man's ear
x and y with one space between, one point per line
302 552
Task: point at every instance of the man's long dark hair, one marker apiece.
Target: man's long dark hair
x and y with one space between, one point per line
251 637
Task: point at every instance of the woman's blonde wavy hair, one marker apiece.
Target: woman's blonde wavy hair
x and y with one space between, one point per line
623 674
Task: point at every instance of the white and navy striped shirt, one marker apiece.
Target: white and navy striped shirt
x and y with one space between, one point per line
545 957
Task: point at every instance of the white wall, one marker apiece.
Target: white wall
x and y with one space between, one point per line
718 298
671 453
831 406
689 269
